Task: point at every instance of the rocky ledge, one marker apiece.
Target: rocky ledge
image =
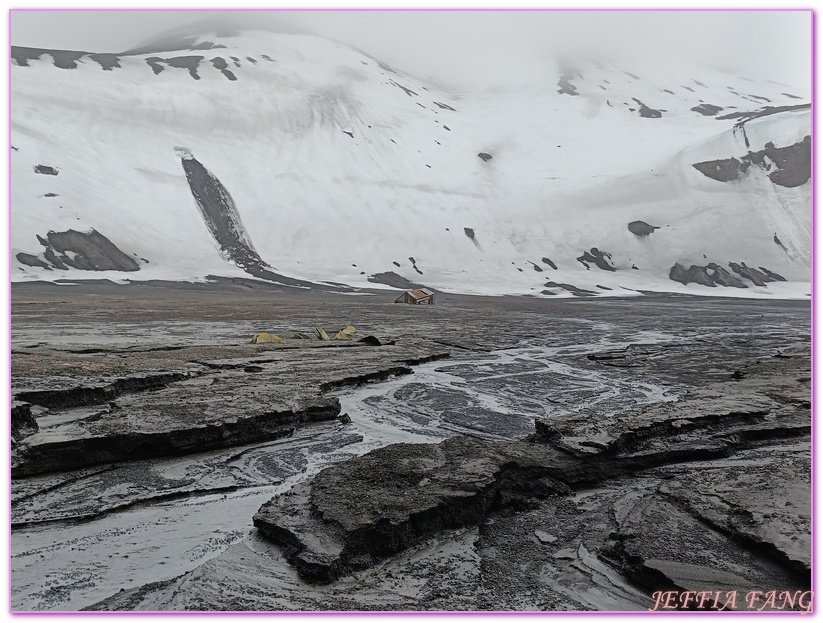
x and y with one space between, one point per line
70 422
711 492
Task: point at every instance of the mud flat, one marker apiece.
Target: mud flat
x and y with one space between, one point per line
503 454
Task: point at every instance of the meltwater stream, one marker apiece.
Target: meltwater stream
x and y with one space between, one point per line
79 537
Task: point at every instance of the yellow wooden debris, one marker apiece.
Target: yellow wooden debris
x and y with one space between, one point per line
265 338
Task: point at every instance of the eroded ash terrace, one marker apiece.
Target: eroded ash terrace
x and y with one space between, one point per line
489 454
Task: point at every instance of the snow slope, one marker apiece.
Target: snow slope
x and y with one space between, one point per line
340 168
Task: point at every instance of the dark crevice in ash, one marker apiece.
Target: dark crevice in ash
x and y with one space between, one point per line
146 501
132 446
98 395
23 423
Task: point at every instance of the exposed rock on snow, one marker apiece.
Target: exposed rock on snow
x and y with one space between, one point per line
752 274
566 87
722 277
220 63
641 228
186 62
646 112
83 251
63 59
45 170
484 156
32 260
788 166
107 61
597 257
694 274
708 110
772 274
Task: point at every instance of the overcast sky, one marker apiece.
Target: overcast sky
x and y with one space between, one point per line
466 45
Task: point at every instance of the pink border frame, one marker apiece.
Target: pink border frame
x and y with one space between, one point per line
814 311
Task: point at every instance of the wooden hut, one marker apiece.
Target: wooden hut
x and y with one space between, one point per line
416 297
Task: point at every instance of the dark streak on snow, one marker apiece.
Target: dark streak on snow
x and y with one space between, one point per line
409 92
223 220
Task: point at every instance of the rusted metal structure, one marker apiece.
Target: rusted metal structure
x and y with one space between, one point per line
416 297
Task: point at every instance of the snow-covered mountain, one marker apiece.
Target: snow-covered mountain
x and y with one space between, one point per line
294 158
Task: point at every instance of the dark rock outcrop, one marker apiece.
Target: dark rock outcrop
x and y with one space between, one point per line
788 166
566 87
92 251
186 62
709 110
693 274
641 228
64 59
722 277
32 260
484 156
106 61
220 63
724 170
773 275
752 274
597 257
83 251
646 112
46 170
546 260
